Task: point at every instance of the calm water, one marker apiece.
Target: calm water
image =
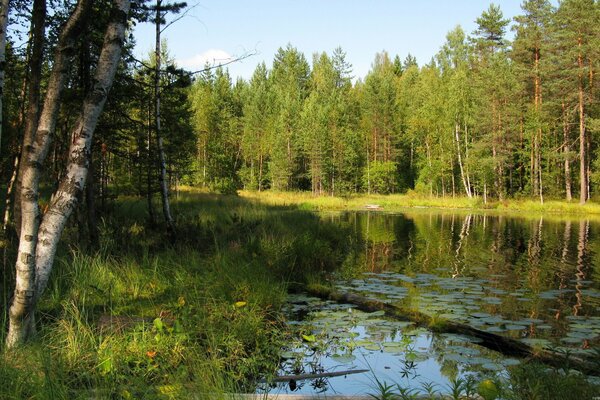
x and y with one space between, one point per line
535 279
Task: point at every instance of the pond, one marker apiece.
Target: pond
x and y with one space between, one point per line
533 279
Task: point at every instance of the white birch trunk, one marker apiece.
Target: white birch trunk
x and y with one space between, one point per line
38 241
460 164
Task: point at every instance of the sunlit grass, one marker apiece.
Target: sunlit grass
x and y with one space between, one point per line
400 202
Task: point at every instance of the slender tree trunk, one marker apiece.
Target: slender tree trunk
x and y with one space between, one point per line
38 22
484 193
38 241
9 192
566 151
3 27
538 141
460 163
12 185
260 172
90 202
149 176
583 195
161 152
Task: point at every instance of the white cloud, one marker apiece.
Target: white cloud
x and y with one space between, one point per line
211 56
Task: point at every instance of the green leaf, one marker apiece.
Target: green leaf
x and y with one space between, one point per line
158 324
309 338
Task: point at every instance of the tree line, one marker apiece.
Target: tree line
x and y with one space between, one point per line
485 117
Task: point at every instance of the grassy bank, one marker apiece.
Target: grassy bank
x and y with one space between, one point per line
398 202
142 317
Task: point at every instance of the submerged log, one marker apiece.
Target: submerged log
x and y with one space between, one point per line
302 377
502 344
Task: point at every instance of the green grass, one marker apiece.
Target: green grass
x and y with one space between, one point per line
402 202
143 317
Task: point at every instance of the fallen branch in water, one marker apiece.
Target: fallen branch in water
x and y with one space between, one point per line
302 377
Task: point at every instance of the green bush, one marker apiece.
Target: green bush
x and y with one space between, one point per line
381 177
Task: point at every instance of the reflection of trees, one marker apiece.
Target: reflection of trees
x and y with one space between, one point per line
534 250
581 264
563 270
459 264
379 241
508 254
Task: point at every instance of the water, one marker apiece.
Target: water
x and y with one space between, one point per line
533 279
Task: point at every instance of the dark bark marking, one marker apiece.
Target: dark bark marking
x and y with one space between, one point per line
26 258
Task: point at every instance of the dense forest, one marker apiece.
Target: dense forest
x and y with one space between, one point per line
485 117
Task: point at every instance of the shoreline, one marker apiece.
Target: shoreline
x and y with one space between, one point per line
555 209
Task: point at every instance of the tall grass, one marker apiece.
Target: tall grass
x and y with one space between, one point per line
146 317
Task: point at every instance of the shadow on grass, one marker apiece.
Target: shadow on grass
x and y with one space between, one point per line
204 308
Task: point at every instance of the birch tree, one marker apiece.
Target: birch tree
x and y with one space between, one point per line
40 233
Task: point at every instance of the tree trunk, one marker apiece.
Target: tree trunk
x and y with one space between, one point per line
38 22
90 203
38 241
9 192
149 169
260 172
538 141
566 151
460 164
3 26
164 187
583 195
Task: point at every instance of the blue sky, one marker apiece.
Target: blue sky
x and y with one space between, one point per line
218 29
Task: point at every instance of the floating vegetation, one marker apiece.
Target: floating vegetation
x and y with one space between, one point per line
464 299
350 339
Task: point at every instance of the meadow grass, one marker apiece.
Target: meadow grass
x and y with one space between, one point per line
400 202
146 316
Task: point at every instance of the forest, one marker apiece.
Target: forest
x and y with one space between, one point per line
120 180
485 117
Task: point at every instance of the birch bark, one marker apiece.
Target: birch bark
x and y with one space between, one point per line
38 240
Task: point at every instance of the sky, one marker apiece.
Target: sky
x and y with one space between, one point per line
215 31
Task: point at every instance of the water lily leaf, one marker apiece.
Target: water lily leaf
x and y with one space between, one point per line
389 347
492 367
372 347
512 327
571 340
481 315
343 358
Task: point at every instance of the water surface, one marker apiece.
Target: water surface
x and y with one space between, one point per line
533 279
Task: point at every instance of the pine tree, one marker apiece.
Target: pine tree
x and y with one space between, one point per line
289 79
576 41
531 43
